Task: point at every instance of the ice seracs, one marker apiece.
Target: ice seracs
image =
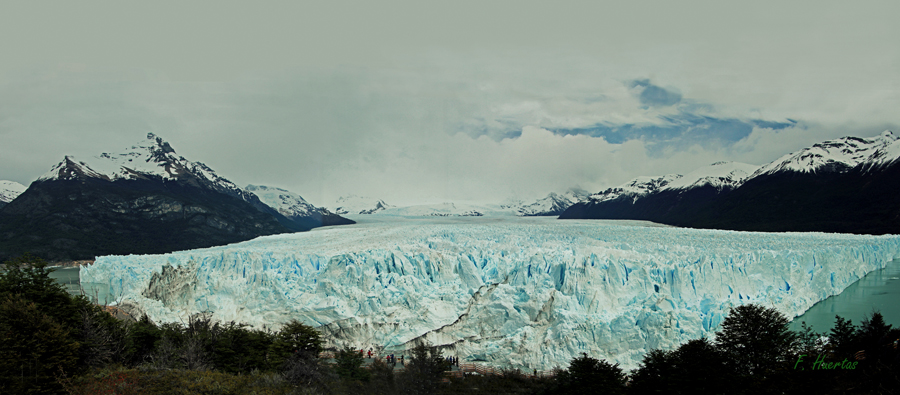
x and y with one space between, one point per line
517 292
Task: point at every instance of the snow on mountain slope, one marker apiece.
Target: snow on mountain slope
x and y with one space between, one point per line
553 204
519 292
9 190
837 155
352 204
885 155
287 203
640 186
719 175
149 158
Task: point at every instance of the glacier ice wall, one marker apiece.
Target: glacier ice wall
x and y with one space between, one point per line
520 292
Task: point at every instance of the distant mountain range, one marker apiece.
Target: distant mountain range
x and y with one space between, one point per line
149 200
352 204
553 204
145 200
847 185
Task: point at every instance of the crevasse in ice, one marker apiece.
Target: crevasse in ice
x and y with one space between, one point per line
518 292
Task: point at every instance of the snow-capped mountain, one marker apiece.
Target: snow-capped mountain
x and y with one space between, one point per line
149 159
352 204
839 155
286 202
719 175
849 184
295 207
9 190
145 200
637 187
553 204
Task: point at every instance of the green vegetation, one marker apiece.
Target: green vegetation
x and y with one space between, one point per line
51 342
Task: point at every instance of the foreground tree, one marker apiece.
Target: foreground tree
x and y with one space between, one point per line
348 365
34 348
424 371
43 326
588 375
757 339
295 337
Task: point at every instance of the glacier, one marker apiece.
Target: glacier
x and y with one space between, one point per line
518 292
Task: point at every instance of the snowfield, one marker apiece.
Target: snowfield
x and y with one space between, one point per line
519 292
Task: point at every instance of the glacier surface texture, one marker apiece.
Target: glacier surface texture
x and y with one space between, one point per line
518 292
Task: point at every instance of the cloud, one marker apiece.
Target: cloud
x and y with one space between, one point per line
448 127
655 96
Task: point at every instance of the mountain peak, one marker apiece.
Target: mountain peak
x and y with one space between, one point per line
158 144
151 156
837 155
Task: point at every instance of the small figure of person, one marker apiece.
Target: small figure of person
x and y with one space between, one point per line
401 360
370 353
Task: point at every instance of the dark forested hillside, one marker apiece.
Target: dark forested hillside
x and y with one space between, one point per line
83 218
860 200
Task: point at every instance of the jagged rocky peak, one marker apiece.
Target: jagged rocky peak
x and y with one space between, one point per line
153 149
150 158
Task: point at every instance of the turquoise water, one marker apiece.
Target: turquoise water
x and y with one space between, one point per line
878 290
68 277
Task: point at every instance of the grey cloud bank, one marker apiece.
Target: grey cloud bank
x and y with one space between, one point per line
470 101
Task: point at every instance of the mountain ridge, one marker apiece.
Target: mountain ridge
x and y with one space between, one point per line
145 200
846 185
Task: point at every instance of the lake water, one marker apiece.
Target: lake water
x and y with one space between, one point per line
96 292
878 290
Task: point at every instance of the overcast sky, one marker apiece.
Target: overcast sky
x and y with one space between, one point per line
418 102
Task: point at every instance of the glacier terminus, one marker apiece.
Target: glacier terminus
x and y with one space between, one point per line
518 292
